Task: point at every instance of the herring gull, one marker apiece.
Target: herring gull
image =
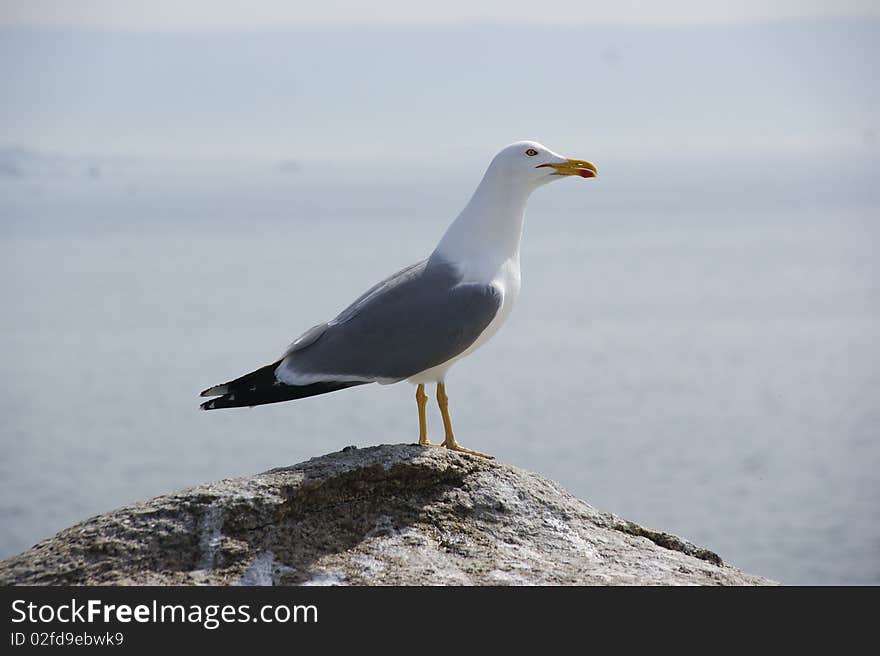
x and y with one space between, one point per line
417 323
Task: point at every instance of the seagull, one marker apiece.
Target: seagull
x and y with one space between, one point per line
420 321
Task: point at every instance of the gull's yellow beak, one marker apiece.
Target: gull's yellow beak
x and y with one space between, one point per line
579 167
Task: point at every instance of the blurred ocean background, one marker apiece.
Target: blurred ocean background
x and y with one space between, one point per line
696 343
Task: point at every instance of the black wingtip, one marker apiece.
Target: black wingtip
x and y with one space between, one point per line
275 393
215 390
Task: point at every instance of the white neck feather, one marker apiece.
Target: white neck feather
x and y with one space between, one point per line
487 233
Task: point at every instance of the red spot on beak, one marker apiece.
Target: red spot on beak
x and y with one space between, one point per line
586 173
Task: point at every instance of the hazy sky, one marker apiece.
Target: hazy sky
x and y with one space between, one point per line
238 14
267 80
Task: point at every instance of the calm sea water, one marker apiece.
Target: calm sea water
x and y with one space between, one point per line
713 373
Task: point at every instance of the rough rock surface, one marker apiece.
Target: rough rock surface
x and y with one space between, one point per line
399 515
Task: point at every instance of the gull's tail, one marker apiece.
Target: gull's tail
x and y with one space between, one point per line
261 386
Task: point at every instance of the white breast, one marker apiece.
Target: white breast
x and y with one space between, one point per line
483 244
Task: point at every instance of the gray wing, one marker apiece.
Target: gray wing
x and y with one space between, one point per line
418 318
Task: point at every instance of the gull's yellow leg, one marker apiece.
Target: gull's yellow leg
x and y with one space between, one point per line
449 442
422 401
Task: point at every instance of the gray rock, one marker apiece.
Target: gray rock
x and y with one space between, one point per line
386 515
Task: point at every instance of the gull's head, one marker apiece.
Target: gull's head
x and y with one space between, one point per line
532 164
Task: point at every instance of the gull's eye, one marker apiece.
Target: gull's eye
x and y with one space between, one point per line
531 152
